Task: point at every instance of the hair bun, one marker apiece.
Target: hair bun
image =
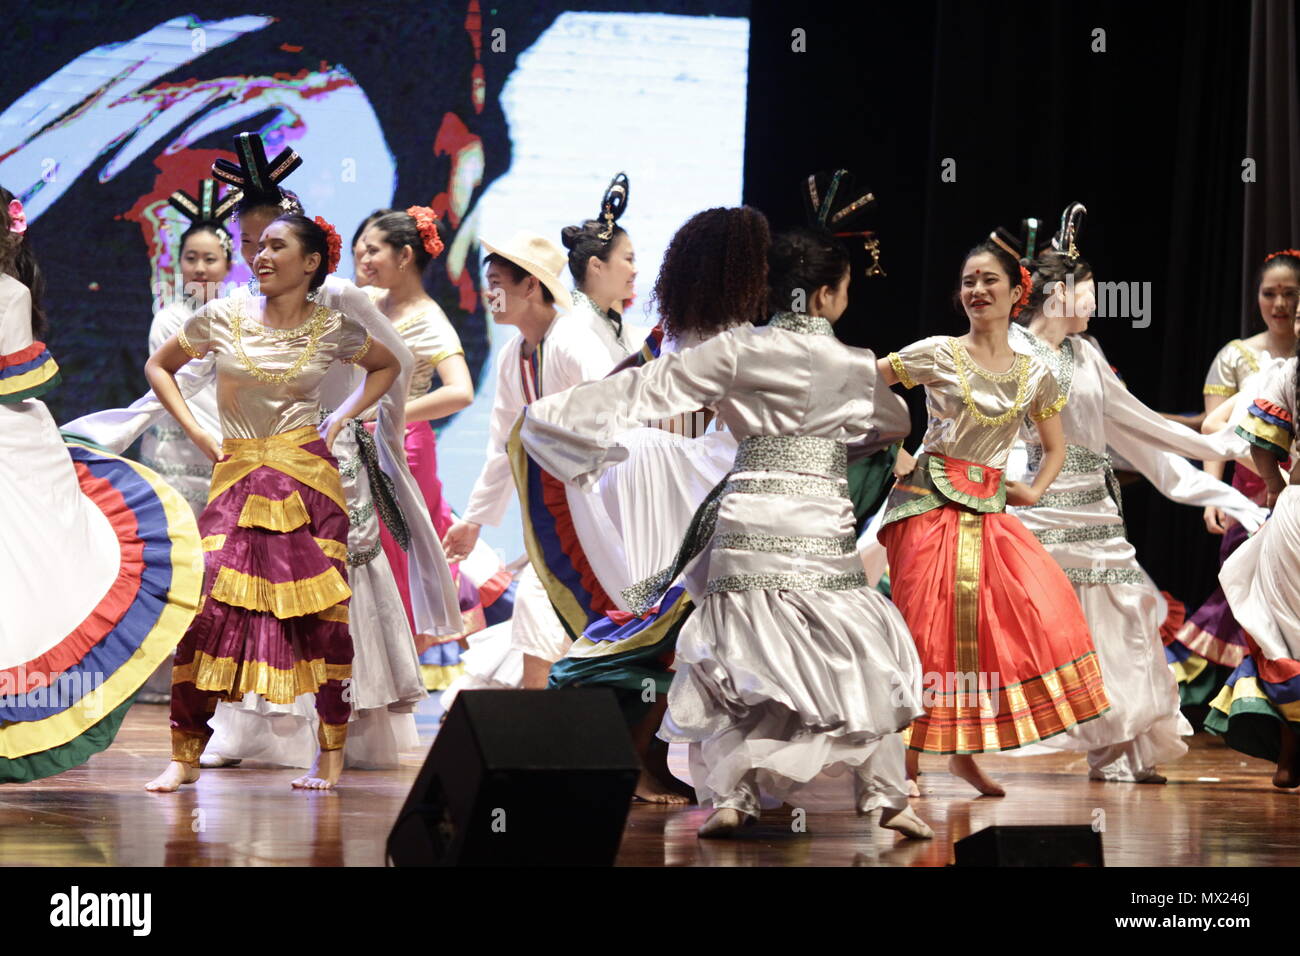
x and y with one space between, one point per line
569 235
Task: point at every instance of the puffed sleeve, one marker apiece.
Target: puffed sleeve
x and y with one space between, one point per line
195 333
570 434
435 340
1270 420
1224 376
1047 399
918 363
354 340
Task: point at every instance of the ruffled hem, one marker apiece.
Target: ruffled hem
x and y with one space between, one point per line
234 678
48 763
839 663
771 746
1249 712
27 373
136 627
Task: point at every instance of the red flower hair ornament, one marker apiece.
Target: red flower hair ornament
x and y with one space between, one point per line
427 225
1026 284
1293 253
333 242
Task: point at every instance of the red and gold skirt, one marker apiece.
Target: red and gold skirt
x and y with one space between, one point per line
1004 646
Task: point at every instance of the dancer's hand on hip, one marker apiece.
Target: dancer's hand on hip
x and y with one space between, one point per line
207 444
1021 495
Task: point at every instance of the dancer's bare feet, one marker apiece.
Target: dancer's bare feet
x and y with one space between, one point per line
171 779
964 766
905 822
323 774
214 761
1288 761
723 823
650 790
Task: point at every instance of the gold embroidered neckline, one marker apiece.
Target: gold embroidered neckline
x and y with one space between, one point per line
1019 373
964 358
314 328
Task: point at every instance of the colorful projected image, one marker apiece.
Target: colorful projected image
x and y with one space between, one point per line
498 124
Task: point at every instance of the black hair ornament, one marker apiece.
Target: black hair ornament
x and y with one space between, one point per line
253 176
827 207
613 205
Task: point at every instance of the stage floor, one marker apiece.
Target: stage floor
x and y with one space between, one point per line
100 815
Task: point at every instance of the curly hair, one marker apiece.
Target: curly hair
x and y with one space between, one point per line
714 274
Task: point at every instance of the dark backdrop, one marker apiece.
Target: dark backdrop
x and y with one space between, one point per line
1149 135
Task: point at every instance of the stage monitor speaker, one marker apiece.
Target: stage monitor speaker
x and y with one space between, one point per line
519 778
1030 846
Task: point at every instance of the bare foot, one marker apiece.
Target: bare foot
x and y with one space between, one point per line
905 822
170 780
323 774
1288 761
723 823
964 766
214 761
1286 778
912 789
650 790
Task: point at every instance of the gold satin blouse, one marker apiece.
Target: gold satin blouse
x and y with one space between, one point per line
974 414
430 337
1233 364
268 380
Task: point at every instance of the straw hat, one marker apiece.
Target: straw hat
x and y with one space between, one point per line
537 256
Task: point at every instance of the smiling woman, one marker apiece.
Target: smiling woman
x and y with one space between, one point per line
395 251
274 619
991 613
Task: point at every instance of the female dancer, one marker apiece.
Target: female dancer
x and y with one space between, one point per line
1004 644
206 252
790 664
1213 633
359 277
603 265
588 546
98 576
396 250
386 675
1258 710
1079 520
274 619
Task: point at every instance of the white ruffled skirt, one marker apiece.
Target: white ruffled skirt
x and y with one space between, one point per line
1144 726
780 673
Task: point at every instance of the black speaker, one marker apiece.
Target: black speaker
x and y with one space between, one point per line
518 778
1031 846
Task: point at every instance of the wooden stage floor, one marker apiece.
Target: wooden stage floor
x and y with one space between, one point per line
100 815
